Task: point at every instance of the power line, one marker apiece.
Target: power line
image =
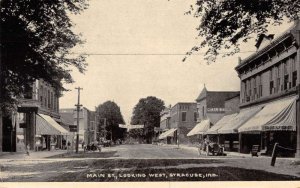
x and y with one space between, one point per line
151 54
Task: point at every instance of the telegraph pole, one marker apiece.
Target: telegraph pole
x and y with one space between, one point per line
78 105
1 90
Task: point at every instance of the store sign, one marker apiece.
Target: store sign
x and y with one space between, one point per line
279 128
215 109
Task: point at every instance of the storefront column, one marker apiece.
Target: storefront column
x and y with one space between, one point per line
240 143
298 124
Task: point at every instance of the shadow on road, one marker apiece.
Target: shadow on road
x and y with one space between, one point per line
82 154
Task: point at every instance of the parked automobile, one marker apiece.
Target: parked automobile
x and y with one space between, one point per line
93 146
106 143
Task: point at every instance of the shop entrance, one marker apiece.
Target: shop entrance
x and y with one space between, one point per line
9 135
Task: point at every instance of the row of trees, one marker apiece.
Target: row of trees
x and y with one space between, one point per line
109 117
146 112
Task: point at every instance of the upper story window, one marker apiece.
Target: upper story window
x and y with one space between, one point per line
259 86
183 116
28 92
294 71
49 100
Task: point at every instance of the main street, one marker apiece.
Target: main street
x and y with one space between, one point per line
143 162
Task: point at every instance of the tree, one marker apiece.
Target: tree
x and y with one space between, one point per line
111 112
36 39
147 112
225 24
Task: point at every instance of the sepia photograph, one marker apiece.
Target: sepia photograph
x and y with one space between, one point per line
168 92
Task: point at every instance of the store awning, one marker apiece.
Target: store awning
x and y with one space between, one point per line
243 116
221 123
45 125
200 128
168 133
275 116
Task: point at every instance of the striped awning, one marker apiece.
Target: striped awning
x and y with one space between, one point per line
279 115
45 125
243 116
168 133
200 128
222 122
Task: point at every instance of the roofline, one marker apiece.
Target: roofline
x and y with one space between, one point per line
287 33
184 103
198 100
262 51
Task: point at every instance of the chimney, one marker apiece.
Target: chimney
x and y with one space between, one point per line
239 60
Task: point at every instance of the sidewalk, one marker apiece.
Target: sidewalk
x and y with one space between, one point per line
236 154
32 155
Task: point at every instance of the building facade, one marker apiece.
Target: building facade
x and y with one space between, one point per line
183 118
86 123
165 117
211 109
270 80
35 124
211 104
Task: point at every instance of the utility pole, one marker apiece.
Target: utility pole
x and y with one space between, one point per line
78 105
1 90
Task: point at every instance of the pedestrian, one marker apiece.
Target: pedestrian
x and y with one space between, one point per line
82 145
69 145
27 149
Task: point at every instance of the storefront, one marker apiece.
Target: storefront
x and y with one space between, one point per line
49 134
169 136
213 132
230 130
38 132
200 129
276 122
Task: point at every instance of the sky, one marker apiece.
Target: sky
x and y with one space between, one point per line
132 27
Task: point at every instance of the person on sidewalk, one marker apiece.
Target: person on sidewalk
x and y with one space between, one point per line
69 146
27 149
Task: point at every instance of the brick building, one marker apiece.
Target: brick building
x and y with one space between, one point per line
178 121
270 82
36 121
211 108
86 122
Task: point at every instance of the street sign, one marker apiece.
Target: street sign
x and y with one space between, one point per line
131 126
73 128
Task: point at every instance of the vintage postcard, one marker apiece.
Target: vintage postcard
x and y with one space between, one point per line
166 93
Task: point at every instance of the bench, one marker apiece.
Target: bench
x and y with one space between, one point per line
255 150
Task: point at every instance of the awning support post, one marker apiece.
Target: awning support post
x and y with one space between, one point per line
240 143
